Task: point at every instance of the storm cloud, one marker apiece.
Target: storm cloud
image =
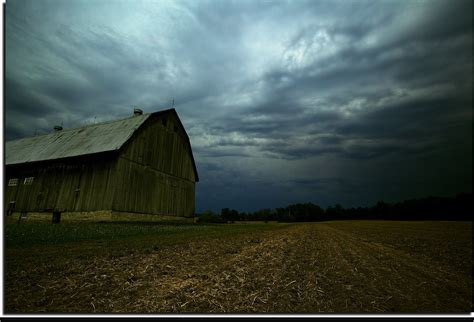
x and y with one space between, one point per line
345 102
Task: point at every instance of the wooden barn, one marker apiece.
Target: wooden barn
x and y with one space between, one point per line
139 165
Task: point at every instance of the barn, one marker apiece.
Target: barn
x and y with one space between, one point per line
142 164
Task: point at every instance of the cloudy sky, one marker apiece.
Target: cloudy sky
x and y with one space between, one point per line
345 102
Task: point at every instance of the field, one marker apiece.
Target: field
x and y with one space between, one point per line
339 266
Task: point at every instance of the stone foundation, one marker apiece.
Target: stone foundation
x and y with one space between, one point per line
96 216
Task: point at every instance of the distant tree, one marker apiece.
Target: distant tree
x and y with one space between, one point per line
316 213
243 216
382 209
335 213
430 208
229 214
264 214
209 217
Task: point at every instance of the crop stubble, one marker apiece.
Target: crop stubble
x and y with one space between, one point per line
304 268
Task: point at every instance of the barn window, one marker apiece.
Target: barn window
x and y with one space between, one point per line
28 180
176 129
13 182
164 121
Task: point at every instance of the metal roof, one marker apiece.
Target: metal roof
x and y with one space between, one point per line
96 138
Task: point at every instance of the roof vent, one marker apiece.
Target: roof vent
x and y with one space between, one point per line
57 128
137 111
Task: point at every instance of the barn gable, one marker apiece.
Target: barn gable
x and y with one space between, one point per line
166 138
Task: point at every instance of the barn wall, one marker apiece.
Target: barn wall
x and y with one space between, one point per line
79 186
155 171
143 189
162 147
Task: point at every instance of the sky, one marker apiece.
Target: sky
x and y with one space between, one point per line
347 102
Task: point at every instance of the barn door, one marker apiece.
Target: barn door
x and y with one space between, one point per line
52 186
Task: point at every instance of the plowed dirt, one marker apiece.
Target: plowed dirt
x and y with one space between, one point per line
299 268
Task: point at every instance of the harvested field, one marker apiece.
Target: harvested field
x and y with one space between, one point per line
347 267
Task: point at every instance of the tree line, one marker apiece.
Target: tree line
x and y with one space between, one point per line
430 208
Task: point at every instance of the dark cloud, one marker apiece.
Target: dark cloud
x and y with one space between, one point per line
323 101
19 95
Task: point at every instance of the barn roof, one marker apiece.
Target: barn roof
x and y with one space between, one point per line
91 139
102 137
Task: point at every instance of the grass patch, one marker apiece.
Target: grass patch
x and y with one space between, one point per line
66 241
31 234
49 234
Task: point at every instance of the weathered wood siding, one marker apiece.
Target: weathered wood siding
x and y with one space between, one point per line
77 186
162 147
155 172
